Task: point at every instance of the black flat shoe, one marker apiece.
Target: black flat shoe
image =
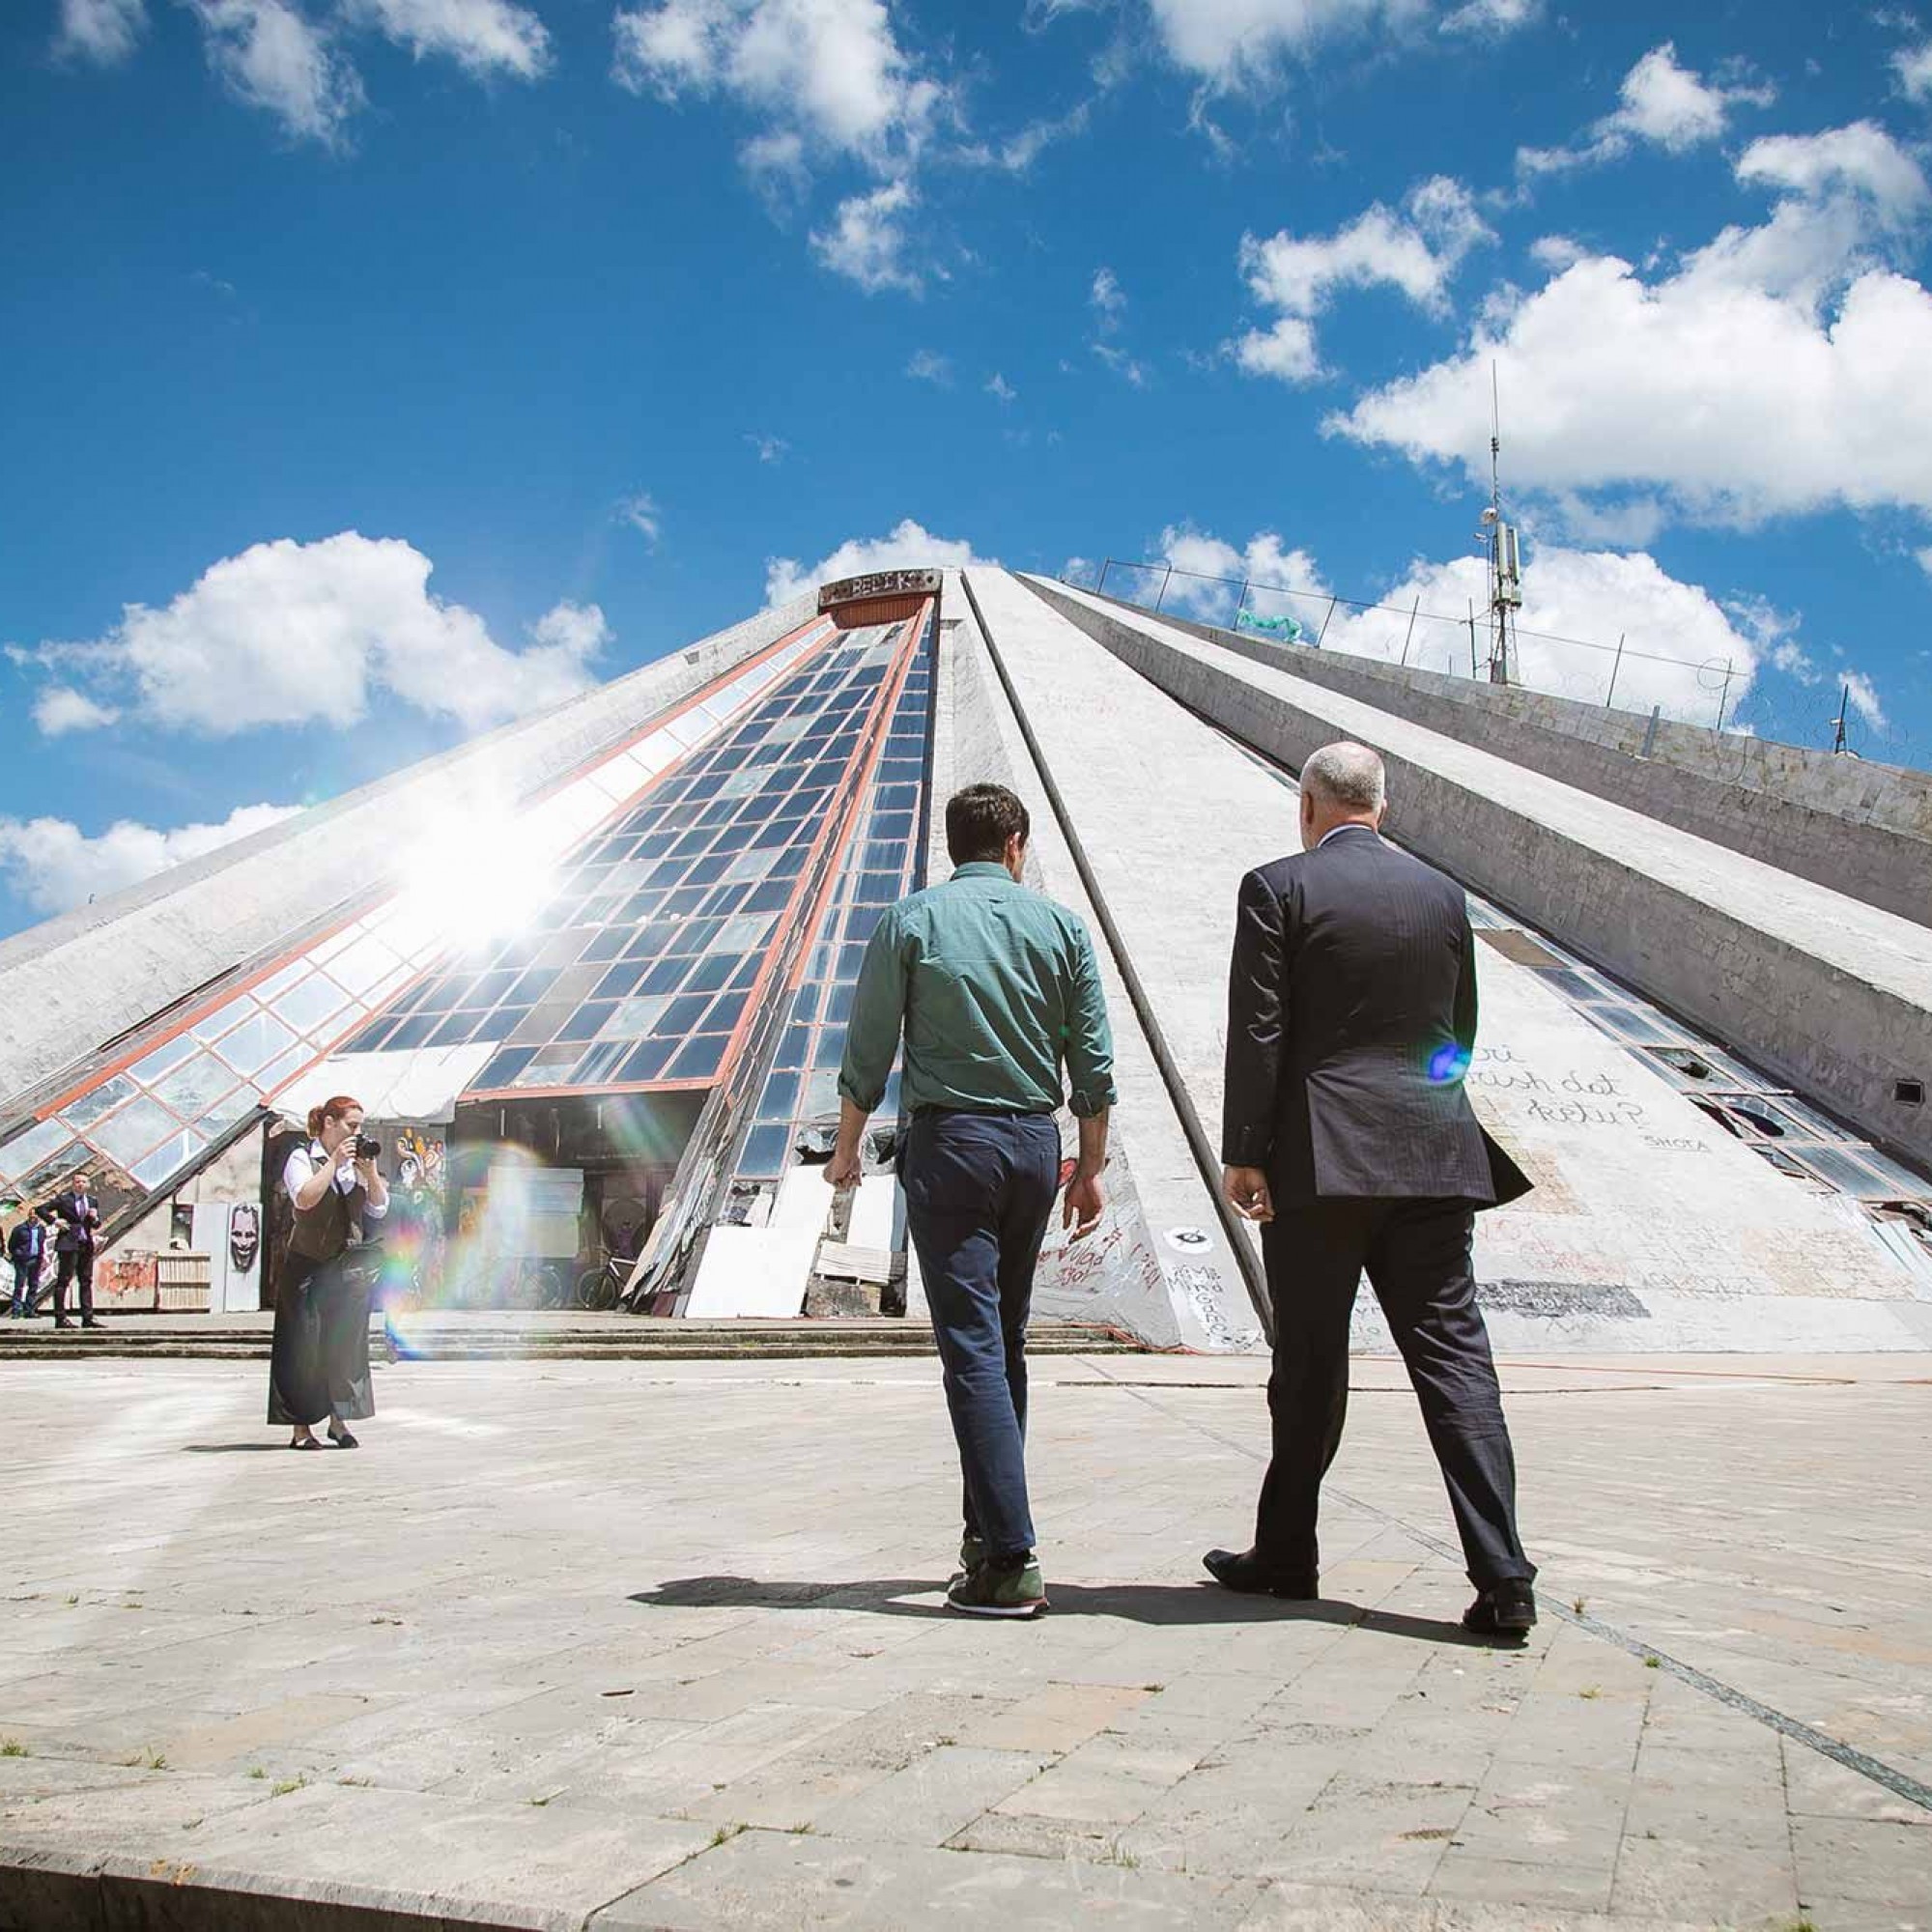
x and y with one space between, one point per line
307 1442
344 1440
1251 1576
1503 1610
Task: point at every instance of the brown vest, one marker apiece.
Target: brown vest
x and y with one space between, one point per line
323 1231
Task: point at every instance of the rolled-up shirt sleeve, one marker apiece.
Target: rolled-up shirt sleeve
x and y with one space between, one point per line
878 1016
1089 1044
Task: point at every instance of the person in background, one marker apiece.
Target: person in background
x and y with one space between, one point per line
79 1216
1349 1139
26 1249
995 990
319 1363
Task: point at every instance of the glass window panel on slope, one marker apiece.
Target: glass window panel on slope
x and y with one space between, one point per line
25 1152
305 1007
104 1099
134 1131
151 1066
172 1156
196 1086
254 1042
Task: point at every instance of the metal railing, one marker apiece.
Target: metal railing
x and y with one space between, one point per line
1584 669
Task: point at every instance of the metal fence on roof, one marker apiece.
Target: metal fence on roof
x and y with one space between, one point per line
1826 713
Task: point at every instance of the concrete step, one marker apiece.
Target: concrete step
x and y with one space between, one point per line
504 1337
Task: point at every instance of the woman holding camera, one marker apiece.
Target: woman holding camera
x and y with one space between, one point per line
319 1366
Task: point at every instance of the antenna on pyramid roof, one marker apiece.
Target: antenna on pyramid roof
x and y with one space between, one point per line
1505 557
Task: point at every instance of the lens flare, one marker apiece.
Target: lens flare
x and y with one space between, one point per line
1447 1065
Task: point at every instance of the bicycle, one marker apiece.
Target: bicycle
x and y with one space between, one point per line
599 1287
530 1281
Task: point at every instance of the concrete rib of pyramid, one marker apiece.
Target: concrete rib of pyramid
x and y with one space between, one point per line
589 977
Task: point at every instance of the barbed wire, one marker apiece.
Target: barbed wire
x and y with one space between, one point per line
1720 694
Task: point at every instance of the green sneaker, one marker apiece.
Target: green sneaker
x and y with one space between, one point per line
972 1553
991 1589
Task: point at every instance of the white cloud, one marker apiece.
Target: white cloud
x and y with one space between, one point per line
272 57
290 633
1778 370
1000 389
483 36
1231 44
1914 67
1123 365
1108 300
830 72
1216 570
1491 19
55 866
910 546
1284 350
61 709
1416 251
928 366
642 515
867 243
1661 104
103 31
770 449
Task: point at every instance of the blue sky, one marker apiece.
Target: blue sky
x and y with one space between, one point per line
375 370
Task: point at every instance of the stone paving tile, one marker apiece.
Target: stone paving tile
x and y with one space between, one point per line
1864 1862
1056 1719
1158 1751
1386 1836
927 1801
765 1883
1107 1780
1721 1882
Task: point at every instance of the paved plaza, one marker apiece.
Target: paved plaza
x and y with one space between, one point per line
646 1645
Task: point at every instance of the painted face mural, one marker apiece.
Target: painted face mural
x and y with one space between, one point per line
244 1236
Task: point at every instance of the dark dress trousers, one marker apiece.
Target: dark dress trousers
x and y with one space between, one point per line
1351 1016
78 1216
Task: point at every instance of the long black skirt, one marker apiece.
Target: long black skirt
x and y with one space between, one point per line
320 1364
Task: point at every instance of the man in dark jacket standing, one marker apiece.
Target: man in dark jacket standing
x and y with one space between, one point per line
79 1216
26 1246
1347 1136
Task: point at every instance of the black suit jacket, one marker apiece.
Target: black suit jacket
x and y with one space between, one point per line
75 1236
1351 1016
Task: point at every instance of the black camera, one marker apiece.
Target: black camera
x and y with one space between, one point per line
366 1147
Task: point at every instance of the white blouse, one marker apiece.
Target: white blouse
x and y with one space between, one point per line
299 1169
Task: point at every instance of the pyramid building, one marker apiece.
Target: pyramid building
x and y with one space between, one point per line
589 976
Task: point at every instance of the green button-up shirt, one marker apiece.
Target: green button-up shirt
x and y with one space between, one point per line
994 987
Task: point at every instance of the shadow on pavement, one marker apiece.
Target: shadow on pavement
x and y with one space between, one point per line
1136 1603
228 1448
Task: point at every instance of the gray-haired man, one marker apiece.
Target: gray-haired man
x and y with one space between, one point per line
1351 1016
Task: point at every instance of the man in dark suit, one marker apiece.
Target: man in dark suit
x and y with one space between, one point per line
79 1216
1351 1016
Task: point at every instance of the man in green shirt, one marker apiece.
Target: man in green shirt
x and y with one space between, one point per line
994 989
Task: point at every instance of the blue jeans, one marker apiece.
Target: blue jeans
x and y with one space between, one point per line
26 1287
979 1190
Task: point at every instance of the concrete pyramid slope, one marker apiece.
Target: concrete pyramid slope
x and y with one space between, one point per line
1652 1228
601 1043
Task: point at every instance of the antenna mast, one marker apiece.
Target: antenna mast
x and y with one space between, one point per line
1505 560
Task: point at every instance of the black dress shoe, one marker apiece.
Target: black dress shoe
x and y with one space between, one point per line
88 1321
63 1324
1249 1575
1503 1610
342 1440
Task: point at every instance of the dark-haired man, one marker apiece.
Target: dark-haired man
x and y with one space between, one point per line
1347 1136
994 988
79 1216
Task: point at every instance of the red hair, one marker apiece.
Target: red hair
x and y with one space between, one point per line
329 1110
